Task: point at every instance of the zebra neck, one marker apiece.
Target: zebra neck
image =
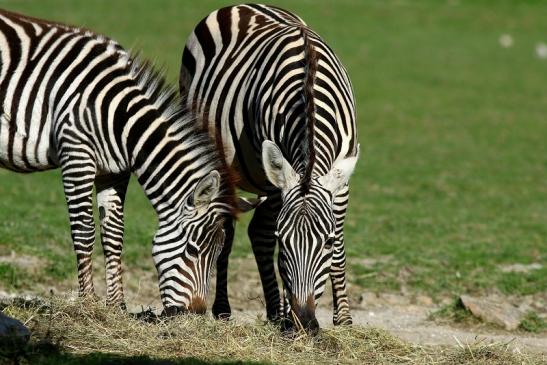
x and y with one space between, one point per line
169 161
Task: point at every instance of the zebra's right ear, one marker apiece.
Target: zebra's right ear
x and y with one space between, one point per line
278 170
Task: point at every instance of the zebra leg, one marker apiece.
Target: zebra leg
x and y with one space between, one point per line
262 234
78 179
221 306
111 191
338 266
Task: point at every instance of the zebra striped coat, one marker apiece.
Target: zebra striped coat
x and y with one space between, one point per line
282 105
75 100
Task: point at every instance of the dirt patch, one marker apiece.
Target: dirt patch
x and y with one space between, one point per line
31 264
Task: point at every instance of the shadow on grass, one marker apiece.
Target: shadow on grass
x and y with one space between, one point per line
47 353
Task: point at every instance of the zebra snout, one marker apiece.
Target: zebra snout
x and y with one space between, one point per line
305 316
197 305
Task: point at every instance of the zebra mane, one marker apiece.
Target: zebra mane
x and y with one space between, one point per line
151 80
310 59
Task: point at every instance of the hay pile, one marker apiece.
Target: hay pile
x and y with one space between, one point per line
82 327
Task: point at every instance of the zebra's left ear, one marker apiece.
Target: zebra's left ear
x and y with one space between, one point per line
207 189
340 173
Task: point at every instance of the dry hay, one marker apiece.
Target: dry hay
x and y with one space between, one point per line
80 327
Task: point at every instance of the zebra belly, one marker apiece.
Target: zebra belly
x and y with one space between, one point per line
24 150
249 169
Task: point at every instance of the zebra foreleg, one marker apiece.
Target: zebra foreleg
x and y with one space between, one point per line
341 314
78 180
263 239
111 191
221 306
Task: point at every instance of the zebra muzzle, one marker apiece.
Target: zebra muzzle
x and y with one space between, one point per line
197 305
302 317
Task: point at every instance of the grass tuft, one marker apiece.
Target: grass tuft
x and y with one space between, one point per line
533 323
454 312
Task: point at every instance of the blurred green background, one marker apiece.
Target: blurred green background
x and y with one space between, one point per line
452 181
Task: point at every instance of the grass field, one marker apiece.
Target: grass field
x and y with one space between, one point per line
452 183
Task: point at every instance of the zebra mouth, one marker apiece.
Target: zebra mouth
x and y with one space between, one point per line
301 317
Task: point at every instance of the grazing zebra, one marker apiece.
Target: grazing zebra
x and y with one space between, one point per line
282 105
76 100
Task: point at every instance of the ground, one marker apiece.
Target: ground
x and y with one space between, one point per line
448 197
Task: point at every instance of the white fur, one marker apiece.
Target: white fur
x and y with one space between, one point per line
340 173
278 170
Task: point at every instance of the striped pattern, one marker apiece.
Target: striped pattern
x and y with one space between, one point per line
282 105
77 101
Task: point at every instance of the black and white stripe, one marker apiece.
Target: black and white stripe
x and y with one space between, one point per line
76 100
282 105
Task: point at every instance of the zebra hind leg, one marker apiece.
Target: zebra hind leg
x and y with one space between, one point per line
341 314
111 191
221 306
78 180
262 234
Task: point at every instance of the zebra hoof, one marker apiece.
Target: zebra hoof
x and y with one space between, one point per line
343 320
89 297
222 314
117 304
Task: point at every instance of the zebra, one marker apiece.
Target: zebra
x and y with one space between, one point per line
281 103
76 100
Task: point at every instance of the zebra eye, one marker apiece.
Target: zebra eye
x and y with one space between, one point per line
192 251
328 243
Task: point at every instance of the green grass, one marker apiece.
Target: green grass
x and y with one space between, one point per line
533 323
452 181
454 312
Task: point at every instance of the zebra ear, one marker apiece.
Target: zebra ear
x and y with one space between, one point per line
207 189
340 173
278 170
246 204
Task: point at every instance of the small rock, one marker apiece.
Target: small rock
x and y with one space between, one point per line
368 299
424 300
493 311
541 50
506 40
13 333
521 267
393 299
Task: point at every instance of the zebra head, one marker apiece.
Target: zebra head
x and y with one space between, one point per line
186 249
306 231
